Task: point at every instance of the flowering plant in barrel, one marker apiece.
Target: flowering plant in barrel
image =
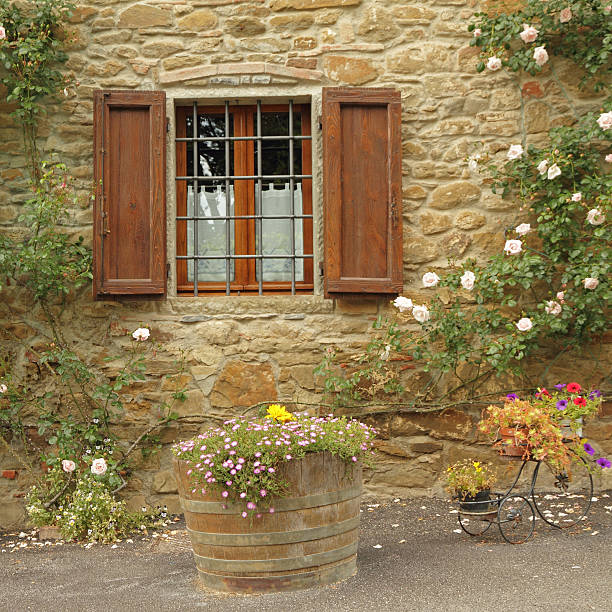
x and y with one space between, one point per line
241 458
570 402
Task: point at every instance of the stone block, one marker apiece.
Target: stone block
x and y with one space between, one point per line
244 384
420 250
301 5
201 19
349 70
144 16
265 45
407 61
244 26
456 244
164 482
12 514
433 223
468 220
459 193
377 25
288 23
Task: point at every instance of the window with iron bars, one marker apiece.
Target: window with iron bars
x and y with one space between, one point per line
244 199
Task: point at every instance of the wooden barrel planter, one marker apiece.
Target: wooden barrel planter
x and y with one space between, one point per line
310 539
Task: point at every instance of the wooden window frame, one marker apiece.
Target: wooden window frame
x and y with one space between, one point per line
245 282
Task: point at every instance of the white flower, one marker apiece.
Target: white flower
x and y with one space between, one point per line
494 63
540 56
3 388
590 283
473 162
98 466
553 172
543 166
467 280
553 308
565 15
515 151
385 354
595 216
607 9
68 466
421 313
403 304
477 32
608 158
430 279
2 33
561 296
513 247
576 197
141 334
529 33
524 324
522 229
605 122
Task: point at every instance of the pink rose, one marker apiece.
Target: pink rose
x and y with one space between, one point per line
561 297
467 280
605 121
2 33
553 308
590 283
565 15
477 32
421 313
553 172
595 216
522 229
98 466
515 151
524 324
430 279
540 56
608 158
68 466
513 247
494 63
529 33
141 334
607 9
576 197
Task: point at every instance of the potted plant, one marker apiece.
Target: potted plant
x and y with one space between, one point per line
570 405
527 430
272 503
470 482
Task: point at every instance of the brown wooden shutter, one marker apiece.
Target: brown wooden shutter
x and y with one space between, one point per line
362 190
130 205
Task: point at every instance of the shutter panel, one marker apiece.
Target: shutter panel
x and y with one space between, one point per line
362 190
130 204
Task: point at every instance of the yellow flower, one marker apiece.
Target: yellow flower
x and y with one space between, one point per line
278 413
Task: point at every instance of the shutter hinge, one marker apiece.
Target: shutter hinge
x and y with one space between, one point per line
167 125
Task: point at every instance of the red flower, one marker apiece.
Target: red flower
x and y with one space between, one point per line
542 392
574 388
580 401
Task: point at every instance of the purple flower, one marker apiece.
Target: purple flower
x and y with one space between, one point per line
603 462
561 404
560 386
589 449
512 396
595 393
251 505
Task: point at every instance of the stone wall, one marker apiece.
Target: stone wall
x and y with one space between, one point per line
241 350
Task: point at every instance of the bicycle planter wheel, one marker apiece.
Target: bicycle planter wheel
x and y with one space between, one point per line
477 513
516 519
563 498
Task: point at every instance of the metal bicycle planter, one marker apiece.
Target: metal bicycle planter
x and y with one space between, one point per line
561 498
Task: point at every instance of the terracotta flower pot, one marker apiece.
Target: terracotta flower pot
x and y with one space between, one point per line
509 445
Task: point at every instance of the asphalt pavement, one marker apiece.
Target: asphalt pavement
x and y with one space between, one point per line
411 557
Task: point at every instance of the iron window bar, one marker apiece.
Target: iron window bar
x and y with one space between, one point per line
258 217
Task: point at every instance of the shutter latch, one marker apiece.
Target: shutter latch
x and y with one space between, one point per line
105 230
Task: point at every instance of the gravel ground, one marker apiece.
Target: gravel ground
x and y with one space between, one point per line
411 557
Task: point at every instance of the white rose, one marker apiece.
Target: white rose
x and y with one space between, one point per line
403 304
553 308
467 280
540 56
98 466
543 166
553 172
477 32
595 216
590 283
494 63
68 466
576 197
515 151
524 324
430 279
607 9
565 15
3 388
421 313
608 158
561 296
529 33
513 247
385 354
522 229
473 162
605 121
141 334
2 33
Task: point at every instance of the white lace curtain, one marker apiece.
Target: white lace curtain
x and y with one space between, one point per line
276 233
